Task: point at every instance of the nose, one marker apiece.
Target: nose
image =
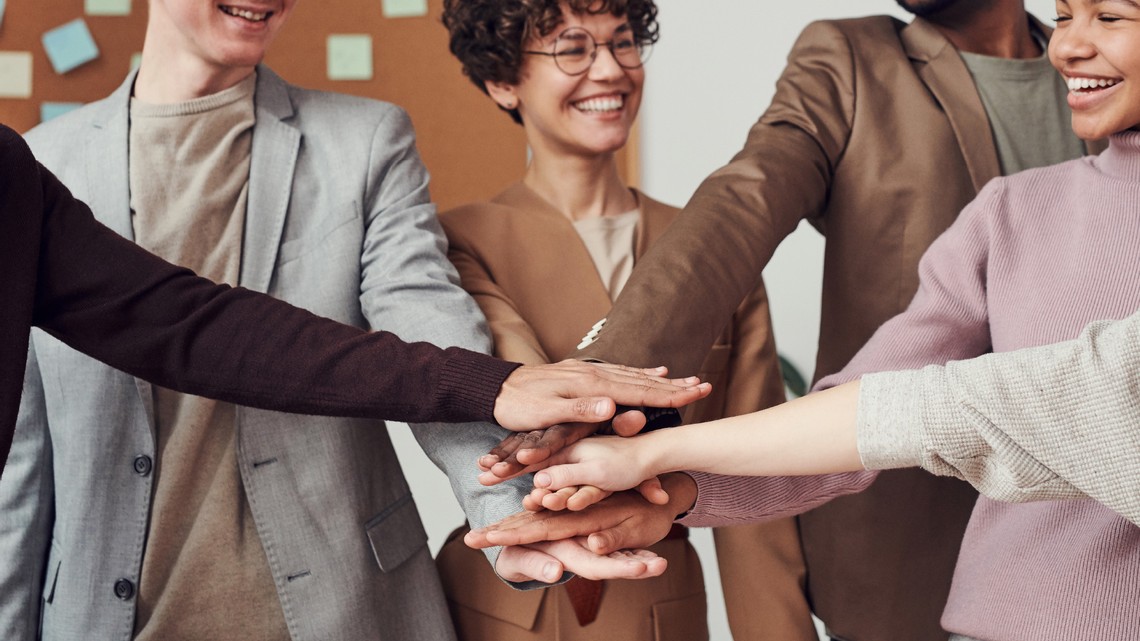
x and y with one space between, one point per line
605 66
1072 42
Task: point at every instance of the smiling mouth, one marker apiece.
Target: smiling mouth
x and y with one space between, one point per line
1089 85
605 104
251 16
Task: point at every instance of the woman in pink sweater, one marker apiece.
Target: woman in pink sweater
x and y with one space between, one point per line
1034 259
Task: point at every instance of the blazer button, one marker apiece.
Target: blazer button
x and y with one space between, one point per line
143 465
124 589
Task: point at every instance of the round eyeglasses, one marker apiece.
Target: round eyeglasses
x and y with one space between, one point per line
574 50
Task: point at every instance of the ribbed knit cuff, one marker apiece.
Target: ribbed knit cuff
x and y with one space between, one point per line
889 421
469 383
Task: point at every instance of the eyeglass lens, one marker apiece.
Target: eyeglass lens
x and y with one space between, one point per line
575 50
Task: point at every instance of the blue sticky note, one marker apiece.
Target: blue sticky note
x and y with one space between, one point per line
49 110
70 45
350 57
2 13
404 8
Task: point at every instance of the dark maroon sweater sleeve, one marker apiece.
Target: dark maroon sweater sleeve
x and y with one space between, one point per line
108 298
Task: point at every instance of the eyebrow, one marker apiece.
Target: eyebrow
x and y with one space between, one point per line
1130 3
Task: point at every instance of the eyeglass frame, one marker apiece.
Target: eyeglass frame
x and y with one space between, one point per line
642 57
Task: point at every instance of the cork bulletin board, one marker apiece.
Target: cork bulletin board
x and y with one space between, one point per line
471 149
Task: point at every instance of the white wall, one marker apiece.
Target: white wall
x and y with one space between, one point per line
710 78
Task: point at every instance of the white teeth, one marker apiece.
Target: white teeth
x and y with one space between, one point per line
612 103
242 13
1079 84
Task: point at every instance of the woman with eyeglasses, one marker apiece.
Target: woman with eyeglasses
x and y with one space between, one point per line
546 258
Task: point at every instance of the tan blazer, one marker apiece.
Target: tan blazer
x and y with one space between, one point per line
531 274
878 138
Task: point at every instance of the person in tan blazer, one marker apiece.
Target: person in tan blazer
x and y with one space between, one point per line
878 135
529 258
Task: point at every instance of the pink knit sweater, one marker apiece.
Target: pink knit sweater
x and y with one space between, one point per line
1031 261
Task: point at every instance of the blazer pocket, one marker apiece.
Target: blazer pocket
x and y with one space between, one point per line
396 533
681 619
315 236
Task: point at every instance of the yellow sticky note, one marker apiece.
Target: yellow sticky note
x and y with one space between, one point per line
350 57
107 7
405 8
15 74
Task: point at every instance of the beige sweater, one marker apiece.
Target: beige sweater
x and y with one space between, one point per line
1055 422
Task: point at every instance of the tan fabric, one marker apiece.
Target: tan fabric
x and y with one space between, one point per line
540 297
204 574
609 241
670 607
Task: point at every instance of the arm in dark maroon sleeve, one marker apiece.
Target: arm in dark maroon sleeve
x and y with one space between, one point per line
108 298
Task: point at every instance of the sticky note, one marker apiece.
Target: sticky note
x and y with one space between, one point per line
107 7
70 45
2 13
136 60
15 74
350 57
404 8
49 110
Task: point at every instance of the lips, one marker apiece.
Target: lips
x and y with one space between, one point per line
601 104
1085 84
246 14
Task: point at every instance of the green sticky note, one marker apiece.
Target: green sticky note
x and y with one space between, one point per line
350 57
15 74
404 8
1 13
107 7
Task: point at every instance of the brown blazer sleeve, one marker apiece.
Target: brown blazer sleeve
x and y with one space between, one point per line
692 279
514 338
108 298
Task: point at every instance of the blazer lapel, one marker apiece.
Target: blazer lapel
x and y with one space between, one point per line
273 161
655 219
109 184
583 300
108 176
938 64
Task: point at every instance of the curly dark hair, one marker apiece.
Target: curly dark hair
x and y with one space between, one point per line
488 35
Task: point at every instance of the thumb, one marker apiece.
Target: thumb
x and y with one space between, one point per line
519 563
557 477
606 541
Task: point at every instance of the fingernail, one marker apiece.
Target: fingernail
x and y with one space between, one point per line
600 408
692 380
550 572
542 479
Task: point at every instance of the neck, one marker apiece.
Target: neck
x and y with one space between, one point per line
998 28
580 187
171 79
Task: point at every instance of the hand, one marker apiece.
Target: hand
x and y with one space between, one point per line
572 391
606 462
545 562
576 498
624 520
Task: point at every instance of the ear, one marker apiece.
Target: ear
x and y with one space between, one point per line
502 93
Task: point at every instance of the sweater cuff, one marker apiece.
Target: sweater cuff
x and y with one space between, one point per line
889 422
469 383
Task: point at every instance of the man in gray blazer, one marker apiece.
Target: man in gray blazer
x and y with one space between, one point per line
135 512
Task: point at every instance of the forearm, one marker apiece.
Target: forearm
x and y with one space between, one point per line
810 435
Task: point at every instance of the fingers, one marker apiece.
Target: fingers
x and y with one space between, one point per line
585 496
519 563
576 557
553 440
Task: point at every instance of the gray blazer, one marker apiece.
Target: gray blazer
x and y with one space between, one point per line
339 222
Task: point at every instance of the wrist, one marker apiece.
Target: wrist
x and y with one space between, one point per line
682 490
